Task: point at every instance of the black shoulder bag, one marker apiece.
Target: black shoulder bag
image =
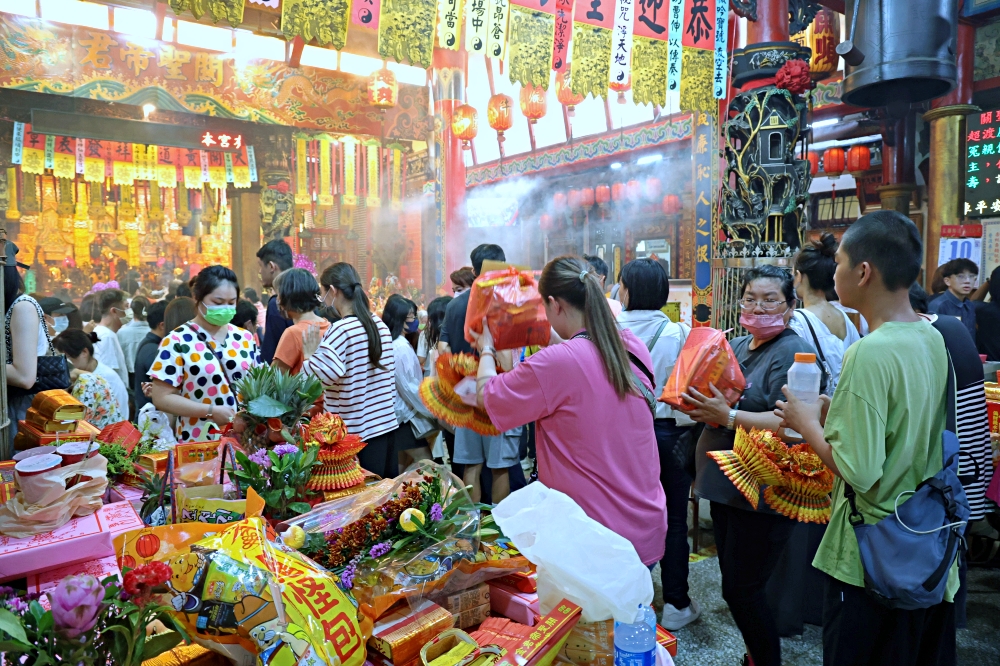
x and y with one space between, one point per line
52 370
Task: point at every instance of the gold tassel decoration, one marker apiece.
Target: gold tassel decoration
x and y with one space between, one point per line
302 198
325 198
372 199
12 212
96 201
155 211
591 60
350 196
649 70
30 194
531 35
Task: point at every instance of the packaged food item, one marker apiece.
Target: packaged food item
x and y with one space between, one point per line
58 405
522 582
552 632
47 496
472 616
466 599
513 308
37 451
207 504
74 452
36 465
7 485
521 607
400 634
706 358
197 463
35 418
29 436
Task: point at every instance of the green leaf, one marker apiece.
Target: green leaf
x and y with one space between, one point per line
43 659
289 492
160 643
36 610
12 626
486 533
46 623
267 407
299 507
15 646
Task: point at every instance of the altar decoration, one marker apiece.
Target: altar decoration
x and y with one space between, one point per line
406 31
324 21
91 621
794 480
272 405
338 468
438 394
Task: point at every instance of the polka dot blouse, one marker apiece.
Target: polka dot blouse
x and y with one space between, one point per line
185 361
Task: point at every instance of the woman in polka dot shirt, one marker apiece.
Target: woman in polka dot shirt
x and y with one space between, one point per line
198 363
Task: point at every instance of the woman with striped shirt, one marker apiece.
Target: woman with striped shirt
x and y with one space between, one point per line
355 362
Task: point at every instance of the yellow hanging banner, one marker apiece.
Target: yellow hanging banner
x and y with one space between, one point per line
449 24
531 35
397 179
372 198
350 195
81 213
406 30
12 212
301 174
325 176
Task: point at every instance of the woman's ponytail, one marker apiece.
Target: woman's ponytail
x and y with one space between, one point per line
345 278
574 281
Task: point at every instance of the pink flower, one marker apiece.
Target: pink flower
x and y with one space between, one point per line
260 457
76 603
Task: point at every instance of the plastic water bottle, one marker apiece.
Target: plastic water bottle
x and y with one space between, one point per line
650 616
635 644
803 381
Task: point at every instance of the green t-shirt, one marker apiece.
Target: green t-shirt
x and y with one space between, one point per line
885 428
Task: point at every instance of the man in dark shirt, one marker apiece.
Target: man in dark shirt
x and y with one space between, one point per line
274 257
146 352
960 277
988 320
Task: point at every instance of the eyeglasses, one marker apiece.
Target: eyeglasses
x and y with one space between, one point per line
769 305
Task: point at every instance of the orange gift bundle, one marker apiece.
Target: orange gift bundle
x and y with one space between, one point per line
513 308
705 359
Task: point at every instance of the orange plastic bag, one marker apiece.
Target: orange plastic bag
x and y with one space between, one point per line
513 308
705 359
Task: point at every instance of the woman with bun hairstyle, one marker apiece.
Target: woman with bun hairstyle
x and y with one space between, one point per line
97 386
594 427
199 362
823 326
355 361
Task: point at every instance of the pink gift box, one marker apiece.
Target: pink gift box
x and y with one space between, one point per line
515 605
47 580
80 540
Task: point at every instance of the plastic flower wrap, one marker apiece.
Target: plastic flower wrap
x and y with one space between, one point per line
416 535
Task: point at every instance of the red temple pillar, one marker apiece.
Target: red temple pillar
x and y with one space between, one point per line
771 24
449 93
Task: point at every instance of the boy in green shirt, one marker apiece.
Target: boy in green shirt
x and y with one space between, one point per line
882 435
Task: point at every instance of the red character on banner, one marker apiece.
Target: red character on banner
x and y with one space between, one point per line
698 25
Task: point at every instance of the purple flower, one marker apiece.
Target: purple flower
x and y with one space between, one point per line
436 512
76 603
6 591
260 457
351 570
284 449
16 605
380 549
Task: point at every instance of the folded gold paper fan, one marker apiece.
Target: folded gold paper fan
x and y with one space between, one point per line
805 508
753 448
736 470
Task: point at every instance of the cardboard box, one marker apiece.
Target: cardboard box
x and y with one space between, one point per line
29 435
522 582
474 597
80 540
518 606
400 634
548 638
472 616
667 640
47 580
993 410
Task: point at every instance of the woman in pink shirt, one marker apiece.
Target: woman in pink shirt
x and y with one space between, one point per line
594 427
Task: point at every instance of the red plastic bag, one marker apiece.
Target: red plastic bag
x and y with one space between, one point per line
705 359
513 308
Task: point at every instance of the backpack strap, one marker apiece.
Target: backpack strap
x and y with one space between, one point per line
652 343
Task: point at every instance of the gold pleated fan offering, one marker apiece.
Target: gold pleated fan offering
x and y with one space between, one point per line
438 394
795 482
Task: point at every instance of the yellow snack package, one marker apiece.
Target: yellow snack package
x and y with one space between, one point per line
243 596
205 504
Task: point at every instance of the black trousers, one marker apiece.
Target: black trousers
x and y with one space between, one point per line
859 631
677 487
379 457
750 544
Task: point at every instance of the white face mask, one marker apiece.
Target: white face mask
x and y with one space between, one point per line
60 324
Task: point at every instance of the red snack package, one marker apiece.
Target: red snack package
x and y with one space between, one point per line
513 308
705 359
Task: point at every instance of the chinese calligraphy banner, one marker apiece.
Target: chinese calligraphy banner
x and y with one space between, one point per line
322 20
720 72
674 56
476 25
650 60
982 164
496 35
620 65
698 59
593 21
94 64
562 32
449 26
532 31
406 31
706 169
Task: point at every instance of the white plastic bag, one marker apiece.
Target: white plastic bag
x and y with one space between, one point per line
155 425
577 558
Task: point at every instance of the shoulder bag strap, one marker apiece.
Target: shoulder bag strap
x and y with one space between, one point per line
645 392
659 331
855 517
41 321
218 357
824 366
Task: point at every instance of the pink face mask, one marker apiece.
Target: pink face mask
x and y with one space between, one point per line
763 326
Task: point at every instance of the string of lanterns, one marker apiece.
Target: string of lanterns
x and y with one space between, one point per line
857 161
578 199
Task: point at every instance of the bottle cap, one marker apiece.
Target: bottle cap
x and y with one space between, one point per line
805 358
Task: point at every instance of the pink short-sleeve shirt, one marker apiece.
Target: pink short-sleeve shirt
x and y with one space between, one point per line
598 449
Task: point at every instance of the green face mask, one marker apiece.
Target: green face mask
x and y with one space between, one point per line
219 315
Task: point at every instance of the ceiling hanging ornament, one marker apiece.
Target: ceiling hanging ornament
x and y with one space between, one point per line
383 90
533 102
324 21
821 37
530 54
500 114
406 31
591 46
621 89
565 94
465 125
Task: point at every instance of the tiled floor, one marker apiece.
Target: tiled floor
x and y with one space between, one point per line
714 639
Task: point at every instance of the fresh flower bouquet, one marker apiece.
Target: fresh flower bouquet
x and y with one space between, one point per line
91 622
272 405
279 475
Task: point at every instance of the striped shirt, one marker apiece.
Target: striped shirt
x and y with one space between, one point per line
362 394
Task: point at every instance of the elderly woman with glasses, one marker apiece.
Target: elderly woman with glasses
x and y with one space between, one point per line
750 540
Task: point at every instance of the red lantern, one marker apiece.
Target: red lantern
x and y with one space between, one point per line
603 194
833 162
559 202
633 189
618 191
653 188
587 197
147 545
532 102
813 163
383 91
500 113
574 199
671 204
620 88
128 561
859 158
545 222
565 94
465 124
